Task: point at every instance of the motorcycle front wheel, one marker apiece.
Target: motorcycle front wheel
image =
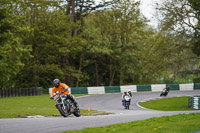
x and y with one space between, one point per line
127 105
62 111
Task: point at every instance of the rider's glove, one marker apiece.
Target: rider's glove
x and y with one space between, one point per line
51 98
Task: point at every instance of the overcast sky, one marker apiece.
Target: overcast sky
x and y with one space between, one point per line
147 9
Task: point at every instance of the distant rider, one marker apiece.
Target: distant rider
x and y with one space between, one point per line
60 87
123 97
167 89
129 92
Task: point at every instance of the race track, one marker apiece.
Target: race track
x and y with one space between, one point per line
108 103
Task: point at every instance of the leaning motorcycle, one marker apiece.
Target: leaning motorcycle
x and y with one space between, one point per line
126 102
65 106
164 93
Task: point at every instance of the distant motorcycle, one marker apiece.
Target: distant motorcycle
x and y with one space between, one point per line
126 102
164 92
65 106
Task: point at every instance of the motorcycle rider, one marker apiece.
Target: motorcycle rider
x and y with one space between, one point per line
129 92
123 97
166 89
62 88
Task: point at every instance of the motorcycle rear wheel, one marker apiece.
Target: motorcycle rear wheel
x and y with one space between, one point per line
77 112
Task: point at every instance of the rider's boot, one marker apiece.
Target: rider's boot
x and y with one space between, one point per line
75 103
73 100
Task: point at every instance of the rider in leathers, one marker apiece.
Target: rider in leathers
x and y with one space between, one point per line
60 87
167 89
123 96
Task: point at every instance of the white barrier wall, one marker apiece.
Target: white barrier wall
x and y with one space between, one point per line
132 88
196 103
186 87
96 90
157 87
50 90
69 89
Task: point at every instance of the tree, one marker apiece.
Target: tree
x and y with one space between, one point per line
195 4
97 45
12 50
179 21
52 46
181 18
78 9
127 25
112 35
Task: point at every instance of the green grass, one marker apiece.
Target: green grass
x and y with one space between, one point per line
40 105
168 104
33 105
183 123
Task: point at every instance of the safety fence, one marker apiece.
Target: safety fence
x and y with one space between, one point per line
132 88
194 102
34 91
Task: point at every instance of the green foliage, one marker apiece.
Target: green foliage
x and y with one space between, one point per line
12 50
182 20
44 40
112 42
195 4
196 47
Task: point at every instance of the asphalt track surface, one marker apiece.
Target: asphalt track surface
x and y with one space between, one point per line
107 102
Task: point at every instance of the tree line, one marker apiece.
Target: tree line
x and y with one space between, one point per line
84 43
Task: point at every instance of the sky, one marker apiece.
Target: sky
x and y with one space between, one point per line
148 10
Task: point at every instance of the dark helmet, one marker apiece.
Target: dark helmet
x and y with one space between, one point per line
56 82
168 87
125 93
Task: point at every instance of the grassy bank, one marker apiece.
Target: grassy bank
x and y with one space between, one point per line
33 105
168 104
183 123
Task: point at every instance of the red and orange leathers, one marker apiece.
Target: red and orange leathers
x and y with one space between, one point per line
60 88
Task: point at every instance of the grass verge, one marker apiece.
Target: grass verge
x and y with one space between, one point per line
168 104
182 123
33 105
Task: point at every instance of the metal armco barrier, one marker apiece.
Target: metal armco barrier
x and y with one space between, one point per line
33 91
194 102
